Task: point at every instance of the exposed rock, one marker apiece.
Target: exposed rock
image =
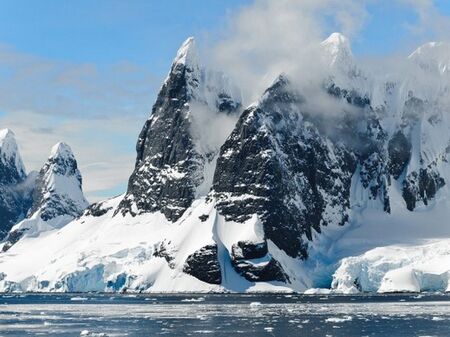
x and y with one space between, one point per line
204 265
421 186
97 209
246 250
169 165
246 256
161 250
265 272
399 149
15 187
277 165
12 238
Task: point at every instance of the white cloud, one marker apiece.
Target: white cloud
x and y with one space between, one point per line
268 37
431 24
271 37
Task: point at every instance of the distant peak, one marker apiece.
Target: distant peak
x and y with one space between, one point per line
431 47
187 54
432 55
6 134
9 152
337 39
61 150
338 50
281 79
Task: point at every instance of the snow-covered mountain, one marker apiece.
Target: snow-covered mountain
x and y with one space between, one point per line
15 187
276 196
57 199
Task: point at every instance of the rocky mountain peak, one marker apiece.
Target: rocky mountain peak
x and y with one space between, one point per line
170 164
61 150
12 170
187 54
59 186
15 186
338 48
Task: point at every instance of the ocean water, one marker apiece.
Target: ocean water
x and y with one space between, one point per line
224 315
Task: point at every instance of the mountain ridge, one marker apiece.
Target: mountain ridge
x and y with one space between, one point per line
275 202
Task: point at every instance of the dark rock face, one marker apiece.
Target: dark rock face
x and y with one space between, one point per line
421 186
204 265
270 271
246 250
351 96
169 167
242 255
165 175
161 250
97 209
12 239
13 208
15 188
277 165
399 149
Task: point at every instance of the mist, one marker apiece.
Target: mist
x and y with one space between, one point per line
268 38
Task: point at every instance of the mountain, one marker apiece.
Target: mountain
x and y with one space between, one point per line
15 186
173 165
57 199
298 190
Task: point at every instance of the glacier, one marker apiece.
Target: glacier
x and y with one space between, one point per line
339 188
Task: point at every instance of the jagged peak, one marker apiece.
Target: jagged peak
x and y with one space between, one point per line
187 54
61 150
9 151
337 39
432 55
281 90
59 185
5 133
7 141
280 81
338 47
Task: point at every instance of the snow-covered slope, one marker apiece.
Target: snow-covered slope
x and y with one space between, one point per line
57 199
274 197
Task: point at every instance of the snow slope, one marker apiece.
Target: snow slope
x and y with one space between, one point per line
110 253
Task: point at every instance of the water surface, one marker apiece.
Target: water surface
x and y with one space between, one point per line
224 315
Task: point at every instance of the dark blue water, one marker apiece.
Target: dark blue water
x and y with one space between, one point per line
224 315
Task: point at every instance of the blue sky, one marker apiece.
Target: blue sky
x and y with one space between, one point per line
88 71
144 32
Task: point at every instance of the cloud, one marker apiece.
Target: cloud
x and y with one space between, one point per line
268 37
431 24
271 37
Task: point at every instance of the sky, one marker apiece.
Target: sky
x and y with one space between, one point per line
87 72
